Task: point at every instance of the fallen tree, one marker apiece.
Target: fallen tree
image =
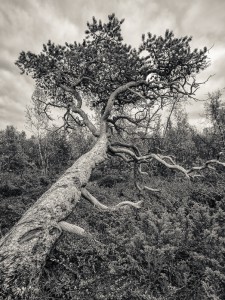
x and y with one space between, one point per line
127 88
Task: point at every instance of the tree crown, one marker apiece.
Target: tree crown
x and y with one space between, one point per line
114 75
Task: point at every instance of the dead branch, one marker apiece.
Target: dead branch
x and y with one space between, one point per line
104 207
207 164
167 157
123 157
145 187
163 160
150 189
73 229
135 148
129 119
142 172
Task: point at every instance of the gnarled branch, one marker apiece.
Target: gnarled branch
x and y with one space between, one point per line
104 207
207 164
163 160
145 187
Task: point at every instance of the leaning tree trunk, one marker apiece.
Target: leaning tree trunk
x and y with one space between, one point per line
24 249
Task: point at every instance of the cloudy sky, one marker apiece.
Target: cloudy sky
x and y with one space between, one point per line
27 24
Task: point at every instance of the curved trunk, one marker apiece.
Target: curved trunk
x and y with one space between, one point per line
24 249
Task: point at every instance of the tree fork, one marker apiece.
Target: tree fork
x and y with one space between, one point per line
24 249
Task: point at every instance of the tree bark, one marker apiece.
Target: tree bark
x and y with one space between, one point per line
24 249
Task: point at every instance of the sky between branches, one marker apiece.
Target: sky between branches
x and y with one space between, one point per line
27 24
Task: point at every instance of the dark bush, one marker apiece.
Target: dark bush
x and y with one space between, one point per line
44 180
110 180
170 249
96 175
9 190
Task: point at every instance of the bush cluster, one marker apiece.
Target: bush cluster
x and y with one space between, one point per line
172 248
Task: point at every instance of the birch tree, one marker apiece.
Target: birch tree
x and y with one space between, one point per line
37 120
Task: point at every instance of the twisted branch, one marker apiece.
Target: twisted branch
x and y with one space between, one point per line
104 207
206 165
163 160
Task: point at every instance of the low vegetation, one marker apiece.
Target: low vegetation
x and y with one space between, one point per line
171 248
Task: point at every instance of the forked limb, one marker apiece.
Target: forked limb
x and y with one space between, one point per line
128 152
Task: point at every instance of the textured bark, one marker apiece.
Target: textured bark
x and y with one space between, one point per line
24 249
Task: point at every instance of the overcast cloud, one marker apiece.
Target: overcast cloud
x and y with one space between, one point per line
27 24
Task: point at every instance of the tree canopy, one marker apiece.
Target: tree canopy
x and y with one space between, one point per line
114 76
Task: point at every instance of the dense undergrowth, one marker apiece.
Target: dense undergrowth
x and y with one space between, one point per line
172 248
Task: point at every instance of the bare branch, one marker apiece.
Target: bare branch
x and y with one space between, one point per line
207 164
167 157
129 119
162 159
168 165
121 150
73 229
135 148
145 187
150 189
104 207
147 157
123 157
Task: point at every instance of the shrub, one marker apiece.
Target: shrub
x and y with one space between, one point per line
8 190
110 180
170 249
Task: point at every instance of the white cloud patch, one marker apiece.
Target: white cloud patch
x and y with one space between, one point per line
25 25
